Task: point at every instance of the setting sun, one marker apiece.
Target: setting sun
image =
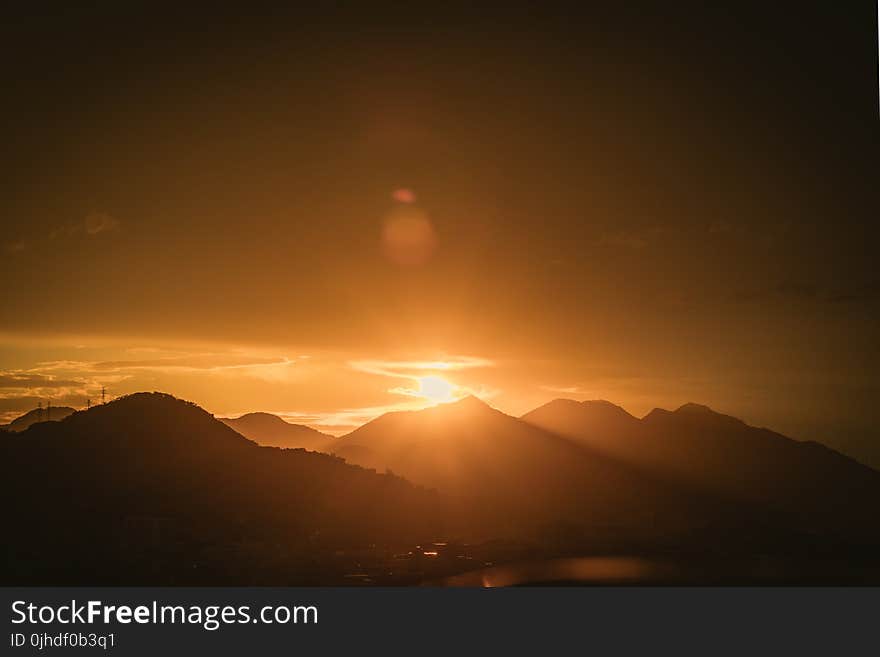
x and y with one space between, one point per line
436 389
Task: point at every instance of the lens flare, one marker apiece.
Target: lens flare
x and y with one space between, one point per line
408 237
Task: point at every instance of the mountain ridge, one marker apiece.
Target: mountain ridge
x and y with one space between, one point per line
273 431
721 454
529 478
53 414
152 489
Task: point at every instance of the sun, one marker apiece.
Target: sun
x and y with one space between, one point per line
436 389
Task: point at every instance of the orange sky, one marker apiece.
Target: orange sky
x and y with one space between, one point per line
300 214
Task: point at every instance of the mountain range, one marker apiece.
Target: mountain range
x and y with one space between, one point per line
509 476
592 464
815 487
149 489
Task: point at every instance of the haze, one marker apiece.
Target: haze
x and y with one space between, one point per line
329 217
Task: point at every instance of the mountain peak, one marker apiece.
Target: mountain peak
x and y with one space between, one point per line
38 415
466 407
469 401
561 402
604 405
258 416
595 408
155 421
693 414
469 409
692 407
274 431
655 413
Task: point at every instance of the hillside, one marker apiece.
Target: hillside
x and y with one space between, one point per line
149 488
816 489
52 414
523 481
272 431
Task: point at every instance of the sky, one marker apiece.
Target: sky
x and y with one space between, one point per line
310 213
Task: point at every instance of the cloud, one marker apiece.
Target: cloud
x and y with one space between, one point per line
71 381
179 362
257 366
566 390
191 363
27 380
430 387
413 369
21 390
92 224
99 222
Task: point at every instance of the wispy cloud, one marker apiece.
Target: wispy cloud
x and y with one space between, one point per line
413 369
176 363
92 224
192 363
21 390
566 390
99 222
72 381
428 386
24 380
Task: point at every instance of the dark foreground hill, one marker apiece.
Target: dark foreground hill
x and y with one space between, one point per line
272 431
151 489
51 414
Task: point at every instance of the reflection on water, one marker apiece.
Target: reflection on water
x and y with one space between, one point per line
584 570
504 563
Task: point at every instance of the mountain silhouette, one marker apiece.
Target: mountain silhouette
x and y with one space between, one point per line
513 477
272 431
578 419
52 414
151 489
815 488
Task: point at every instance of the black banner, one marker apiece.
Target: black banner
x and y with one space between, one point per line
178 621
